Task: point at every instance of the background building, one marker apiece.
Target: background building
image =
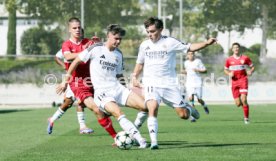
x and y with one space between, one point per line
23 23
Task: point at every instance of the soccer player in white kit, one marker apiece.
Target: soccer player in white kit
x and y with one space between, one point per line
106 66
193 68
157 56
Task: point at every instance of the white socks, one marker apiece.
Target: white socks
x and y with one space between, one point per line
57 115
129 127
81 119
153 129
140 119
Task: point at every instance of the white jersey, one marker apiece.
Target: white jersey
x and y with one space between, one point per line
104 65
193 78
60 55
159 61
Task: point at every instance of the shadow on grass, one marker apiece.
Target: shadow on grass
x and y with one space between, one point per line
185 144
10 111
264 122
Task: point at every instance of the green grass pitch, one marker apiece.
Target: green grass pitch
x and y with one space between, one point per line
219 136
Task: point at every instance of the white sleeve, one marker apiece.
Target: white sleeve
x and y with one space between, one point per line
120 67
177 45
185 64
201 66
59 55
85 55
141 56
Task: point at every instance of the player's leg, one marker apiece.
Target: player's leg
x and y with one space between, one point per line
245 108
200 100
190 94
67 103
191 100
238 101
81 119
243 92
103 120
172 97
152 122
139 91
205 107
236 95
126 125
152 99
137 102
142 115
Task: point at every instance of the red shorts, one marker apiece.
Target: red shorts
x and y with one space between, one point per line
82 90
239 87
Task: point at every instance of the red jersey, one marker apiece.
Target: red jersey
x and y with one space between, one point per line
82 71
238 65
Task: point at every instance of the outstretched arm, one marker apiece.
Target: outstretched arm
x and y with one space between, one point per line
201 45
201 70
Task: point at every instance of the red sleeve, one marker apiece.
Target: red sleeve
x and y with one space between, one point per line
226 66
65 47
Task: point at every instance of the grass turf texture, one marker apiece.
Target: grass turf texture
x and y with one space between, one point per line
222 135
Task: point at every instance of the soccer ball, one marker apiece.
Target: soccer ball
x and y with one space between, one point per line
124 140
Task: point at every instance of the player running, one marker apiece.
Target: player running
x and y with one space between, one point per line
235 67
157 56
193 68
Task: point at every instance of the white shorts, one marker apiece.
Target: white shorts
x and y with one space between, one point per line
194 91
118 94
171 96
69 93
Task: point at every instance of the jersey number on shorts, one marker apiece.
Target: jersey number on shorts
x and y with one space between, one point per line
101 96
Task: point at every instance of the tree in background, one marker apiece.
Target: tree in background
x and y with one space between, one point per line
267 19
241 14
38 41
97 14
11 7
256 49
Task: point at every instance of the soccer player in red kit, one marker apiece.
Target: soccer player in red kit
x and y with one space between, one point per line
80 81
69 99
235 67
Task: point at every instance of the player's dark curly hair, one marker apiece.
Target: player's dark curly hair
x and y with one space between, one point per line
116 29
154 21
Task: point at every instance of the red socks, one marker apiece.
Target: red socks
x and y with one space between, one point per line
106 123
246 111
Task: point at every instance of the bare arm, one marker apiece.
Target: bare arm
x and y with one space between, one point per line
201 70
228 72
62 87
135 75
183 71
60 62
250 72
201 45
70 56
